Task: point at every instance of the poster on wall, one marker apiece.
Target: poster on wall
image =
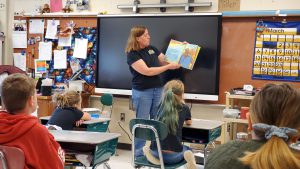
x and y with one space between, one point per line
276 53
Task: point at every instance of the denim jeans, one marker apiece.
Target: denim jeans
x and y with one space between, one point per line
145 103
171 158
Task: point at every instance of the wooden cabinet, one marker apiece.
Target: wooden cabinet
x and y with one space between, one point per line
233 126
46 106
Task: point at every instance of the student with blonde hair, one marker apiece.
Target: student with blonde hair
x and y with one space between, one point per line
174 113
68 112
146 63
275 114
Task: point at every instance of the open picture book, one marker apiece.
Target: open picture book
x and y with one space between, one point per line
182 53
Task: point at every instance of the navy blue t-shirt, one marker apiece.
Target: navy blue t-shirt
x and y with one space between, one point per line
173 142
65 117
150 56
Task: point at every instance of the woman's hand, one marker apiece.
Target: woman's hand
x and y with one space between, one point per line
79 122
173 66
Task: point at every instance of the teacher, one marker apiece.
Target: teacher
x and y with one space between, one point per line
145 62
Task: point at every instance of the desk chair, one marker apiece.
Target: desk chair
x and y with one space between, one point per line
11 158
107 100
150 130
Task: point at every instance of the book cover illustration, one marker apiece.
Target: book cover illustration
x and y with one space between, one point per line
182 53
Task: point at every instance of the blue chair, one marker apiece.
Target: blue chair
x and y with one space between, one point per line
150 130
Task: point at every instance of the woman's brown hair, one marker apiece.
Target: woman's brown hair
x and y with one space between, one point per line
67 99
276 105
132 43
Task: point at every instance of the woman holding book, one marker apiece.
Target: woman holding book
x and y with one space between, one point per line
145 63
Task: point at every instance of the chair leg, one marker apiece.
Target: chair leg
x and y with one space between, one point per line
116 153
106 166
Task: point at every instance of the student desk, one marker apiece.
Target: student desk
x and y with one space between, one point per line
101 145
95 124
202 132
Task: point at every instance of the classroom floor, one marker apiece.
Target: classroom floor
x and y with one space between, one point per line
123 161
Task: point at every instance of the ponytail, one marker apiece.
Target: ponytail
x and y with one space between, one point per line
274 154
66 99
167 112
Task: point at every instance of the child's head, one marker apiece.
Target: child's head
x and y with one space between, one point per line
277 105
275 113
176 87
19 88
171 101
69 98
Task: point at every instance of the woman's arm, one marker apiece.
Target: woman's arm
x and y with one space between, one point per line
141 67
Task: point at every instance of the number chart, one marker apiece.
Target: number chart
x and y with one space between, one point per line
276 53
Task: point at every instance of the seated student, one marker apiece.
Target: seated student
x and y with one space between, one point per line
275 114
173 112
19 129
68 112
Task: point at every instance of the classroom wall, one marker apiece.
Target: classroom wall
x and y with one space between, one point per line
111 5
28 6
3 25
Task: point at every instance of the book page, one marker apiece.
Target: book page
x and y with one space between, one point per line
189 56
174 51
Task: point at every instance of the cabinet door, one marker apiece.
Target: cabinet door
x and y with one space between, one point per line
45 108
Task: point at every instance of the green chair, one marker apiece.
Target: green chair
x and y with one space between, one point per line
107 101
150 130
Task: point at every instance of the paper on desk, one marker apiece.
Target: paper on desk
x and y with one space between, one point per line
80 50
36 26
85 159
90 109
40 66
19 39
64 41
60 59
45 50
20 61
51 32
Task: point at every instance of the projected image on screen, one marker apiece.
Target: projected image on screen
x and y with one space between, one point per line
204 30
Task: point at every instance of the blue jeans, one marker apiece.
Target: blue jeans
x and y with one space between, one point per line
171 158
145 103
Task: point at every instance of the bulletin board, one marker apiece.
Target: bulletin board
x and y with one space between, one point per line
276 54
85 27
237 51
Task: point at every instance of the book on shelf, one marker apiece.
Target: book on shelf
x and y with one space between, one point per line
182 53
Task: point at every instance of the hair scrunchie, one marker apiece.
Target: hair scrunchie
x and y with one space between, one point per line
271 130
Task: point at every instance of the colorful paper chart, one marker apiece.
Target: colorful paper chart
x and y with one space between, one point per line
40 66
276 53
